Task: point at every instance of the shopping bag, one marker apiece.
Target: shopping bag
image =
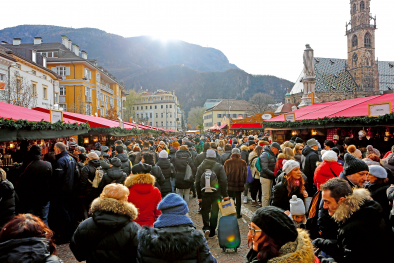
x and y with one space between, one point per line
227 207
250 178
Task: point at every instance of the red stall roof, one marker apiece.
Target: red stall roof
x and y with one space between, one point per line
9 111
344 108
236 126
252 126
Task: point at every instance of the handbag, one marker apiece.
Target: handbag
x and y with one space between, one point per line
250 178
227 207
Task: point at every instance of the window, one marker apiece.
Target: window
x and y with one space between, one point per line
146 115
133 108
170 115
146 107
219 115
34 88
2 77
150 115
162 115
155 107
150 107
157 115
170 106
354 41
137 108
354 9
157 124
44 92
219 123
161 124
367 40
138 116
166 106
97 77
170 123
62 91
234 115
87 74
161 106
56 97
362 6
88 109
61 71
64 106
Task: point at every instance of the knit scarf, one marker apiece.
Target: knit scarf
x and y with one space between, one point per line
166 220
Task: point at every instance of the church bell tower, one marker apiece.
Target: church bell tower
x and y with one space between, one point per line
360 34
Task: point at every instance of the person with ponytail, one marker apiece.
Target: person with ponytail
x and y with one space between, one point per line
273 237
292 184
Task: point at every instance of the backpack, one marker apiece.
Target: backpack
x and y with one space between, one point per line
209 181
257 164
253 169
97 177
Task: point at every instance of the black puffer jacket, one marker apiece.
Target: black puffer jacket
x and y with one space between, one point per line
7 202
158 174
113 175
267 163
171 155
27 250
202 156
180 243
168 171
281 197
379 194
309 166
104 163
63 177
220 173
87 176
225 156
126 167
182 158
109 235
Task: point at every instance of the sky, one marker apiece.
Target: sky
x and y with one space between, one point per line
259 36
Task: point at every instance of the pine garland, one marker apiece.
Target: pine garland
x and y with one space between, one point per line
41 125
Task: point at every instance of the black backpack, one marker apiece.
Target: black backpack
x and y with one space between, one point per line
209 181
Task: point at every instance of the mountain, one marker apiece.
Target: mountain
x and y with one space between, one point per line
195 73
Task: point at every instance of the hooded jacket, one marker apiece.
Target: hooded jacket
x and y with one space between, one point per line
182 158
267 163
210 163
379 194
63 176
359 219
27 250
7 202
113 175
309 166
171 154
110 235
237 172
180 243
298 251
245 153
168 171
88 173
325 171
145 197
126 167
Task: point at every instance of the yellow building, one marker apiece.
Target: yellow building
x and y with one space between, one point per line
228 108
85 87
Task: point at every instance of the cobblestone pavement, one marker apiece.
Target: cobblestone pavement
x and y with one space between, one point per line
247 211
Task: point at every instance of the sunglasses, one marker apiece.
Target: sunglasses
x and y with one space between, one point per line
253 230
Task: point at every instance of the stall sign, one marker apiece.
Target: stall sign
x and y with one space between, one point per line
56 115
378 109
290 117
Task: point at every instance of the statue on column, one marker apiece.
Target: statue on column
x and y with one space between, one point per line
309 68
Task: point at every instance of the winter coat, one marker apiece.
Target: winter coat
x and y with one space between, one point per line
138 157
390 193
299 251
180 243
171 155
158 174
87 176
7 202
252 164
34 183
279 164
182 158
326 224
110 235
168 171
267 163
237 172
145 197
245 154
104 164
63 177
200 147
297 157
281 197
113 175
27 250
132 156
202 156
379 194
360 219
309 167
325 171
226 156
126 166
216 167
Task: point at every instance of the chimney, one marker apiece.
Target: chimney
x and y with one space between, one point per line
34 55
16 42
65 40
37 41
44 61
84 54
75 49
4 42
70 44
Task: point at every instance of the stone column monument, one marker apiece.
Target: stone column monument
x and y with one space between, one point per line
309 80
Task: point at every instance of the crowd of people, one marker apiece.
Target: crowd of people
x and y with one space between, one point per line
128 202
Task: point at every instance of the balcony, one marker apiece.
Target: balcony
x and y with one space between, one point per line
105 88
89 99
157 102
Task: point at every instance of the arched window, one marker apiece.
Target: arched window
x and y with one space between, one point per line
362 6
354 41
354 9
367 40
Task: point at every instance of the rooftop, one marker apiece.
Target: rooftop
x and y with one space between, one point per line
236 105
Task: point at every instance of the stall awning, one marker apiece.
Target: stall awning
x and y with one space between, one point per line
223 126
252 126
236 126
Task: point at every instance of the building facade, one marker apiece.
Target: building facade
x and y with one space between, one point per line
159 109
226 108
25 79
85 87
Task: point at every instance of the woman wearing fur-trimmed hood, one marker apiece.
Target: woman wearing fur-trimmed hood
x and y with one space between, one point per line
143 194
112 219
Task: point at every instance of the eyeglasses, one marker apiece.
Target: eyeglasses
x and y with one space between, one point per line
253 230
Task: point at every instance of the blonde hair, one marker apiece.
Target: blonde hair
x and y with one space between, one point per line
288 152
183 147
221 144
297 148
115 191
3 175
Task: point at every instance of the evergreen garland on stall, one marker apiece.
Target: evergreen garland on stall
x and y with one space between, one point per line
41 125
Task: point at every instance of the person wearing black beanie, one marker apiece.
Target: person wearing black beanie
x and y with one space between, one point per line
355 171
271 231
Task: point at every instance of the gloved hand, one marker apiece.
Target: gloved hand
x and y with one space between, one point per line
318 242
328 260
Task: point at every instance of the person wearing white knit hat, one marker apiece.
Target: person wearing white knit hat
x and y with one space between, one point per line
327 169
297 211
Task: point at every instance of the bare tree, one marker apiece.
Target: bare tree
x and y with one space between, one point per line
19 91
78 106
261 101
195 116
130 102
